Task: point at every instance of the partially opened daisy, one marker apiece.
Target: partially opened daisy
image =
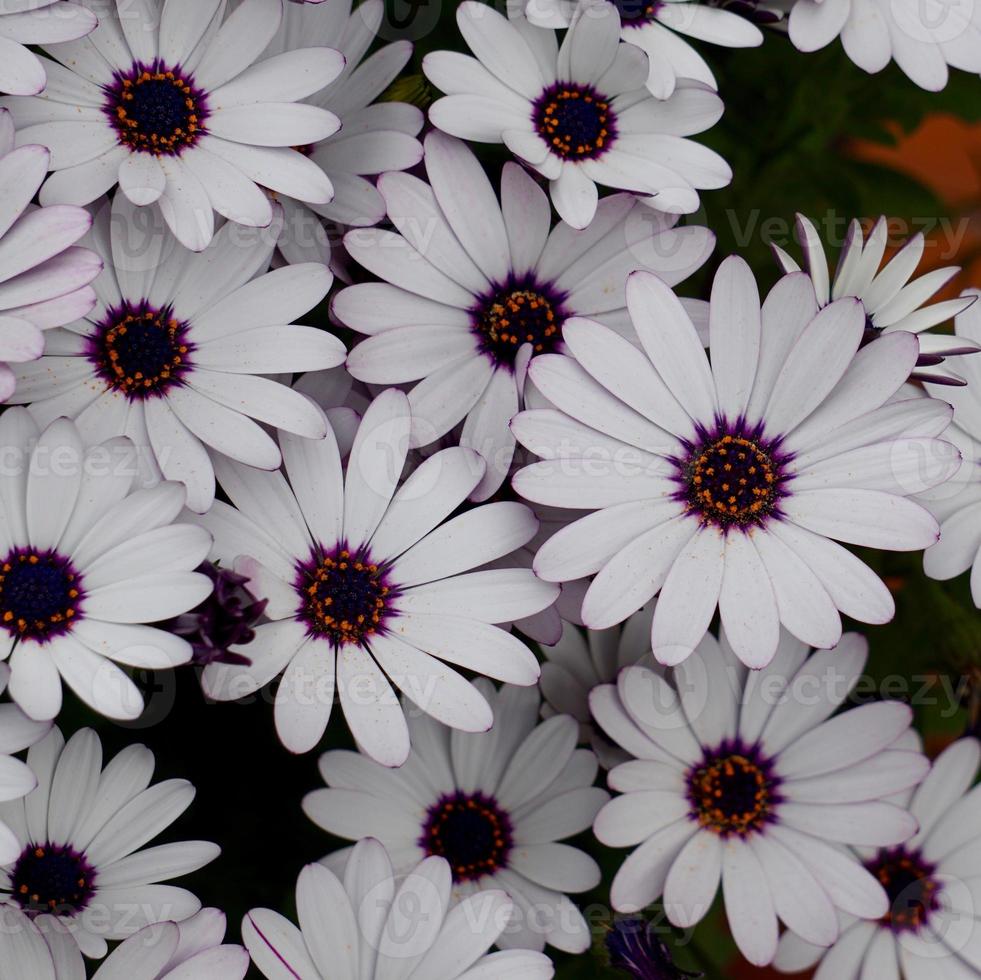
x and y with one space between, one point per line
957 504
652 26
369 585
24 22
175 352
372 138
165 99
931 929
17 732
365 923
44 277
83 871
724 485
746 778
891 301
475 287
923 37
84 563
580 114
493 804
582 660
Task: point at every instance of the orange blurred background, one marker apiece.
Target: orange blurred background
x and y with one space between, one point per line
943 154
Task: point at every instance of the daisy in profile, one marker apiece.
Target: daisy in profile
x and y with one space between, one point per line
84 563
578 114
364 923
164 98
931 928
923 37
369 585
746 778
726 486
24 22
890 299
494 804
957 504
17 732
176 351
44 276
582 660
83 875
655 29
373 138
461 311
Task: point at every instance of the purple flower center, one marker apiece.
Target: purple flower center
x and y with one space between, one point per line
733 790
140 350
344 596
40 594
517 313
52 878
636 13
733 477
914 892
575 120
156 109
471 831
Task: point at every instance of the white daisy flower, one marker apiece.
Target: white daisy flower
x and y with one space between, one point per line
957 505
82 877
651 26
17 732
24 22
923 37
372 138
164 98
546 627
367 585
474 288
891 302
931 929
581 661
84 563
580 114
188 950
44 277
746 778
174 353
494 804
365 924
723 485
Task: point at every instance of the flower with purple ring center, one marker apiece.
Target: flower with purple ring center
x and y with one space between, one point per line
344 595
521 311
575 120
54 879
156 108
912 887
471 831
733 477
733 790
40 594
140 350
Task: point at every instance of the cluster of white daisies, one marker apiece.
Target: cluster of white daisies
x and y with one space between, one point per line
531 436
